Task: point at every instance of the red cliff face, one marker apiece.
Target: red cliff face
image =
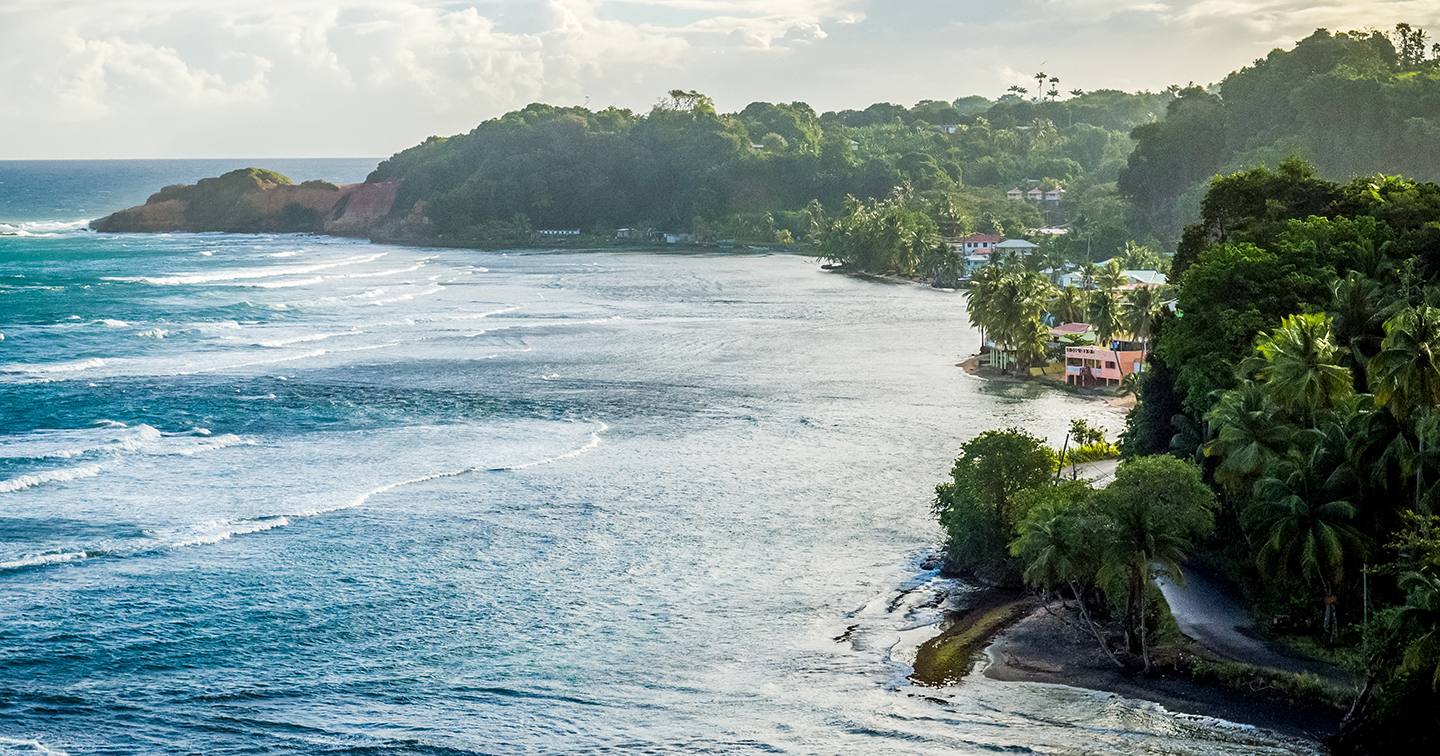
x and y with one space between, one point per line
361 208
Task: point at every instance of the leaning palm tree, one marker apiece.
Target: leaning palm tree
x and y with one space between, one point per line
1304 530
1298 364
1056 545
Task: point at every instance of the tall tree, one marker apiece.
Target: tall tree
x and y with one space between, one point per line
1157 507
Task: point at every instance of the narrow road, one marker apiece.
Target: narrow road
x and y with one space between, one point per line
1207 611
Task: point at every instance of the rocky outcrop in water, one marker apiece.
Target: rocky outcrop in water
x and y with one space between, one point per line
254 200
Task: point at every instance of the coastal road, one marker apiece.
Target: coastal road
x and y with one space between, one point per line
1207 611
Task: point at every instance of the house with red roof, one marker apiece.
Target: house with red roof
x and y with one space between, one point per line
979 244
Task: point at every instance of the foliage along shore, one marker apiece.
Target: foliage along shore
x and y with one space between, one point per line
876 189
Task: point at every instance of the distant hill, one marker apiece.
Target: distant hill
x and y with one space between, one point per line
1351 104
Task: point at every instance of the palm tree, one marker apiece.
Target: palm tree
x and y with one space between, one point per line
1055 546
1154 507
1297 362
1069 306
1031 340
1356 318
1112 276
980 300
1139 311
1040 82
1104 316
1304 530
1406 374
1248 438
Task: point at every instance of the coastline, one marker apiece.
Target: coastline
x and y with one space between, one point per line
1120 404
1018 638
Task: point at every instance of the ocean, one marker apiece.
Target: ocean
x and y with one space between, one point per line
284 494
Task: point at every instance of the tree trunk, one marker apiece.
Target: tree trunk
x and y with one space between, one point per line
1085 614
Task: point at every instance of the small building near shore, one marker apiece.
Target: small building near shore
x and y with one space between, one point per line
1098 366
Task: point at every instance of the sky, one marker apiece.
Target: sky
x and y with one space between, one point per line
90 79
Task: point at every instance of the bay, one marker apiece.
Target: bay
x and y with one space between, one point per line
294 494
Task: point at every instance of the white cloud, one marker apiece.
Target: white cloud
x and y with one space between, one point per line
335 77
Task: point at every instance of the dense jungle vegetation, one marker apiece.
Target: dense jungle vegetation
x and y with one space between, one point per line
1292 395
888 180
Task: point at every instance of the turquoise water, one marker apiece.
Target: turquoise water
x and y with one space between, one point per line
295 494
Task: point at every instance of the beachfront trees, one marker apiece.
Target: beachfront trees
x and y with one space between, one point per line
1056 544
1007 306
1156 508
977 506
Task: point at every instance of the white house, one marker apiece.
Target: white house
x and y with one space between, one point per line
978 244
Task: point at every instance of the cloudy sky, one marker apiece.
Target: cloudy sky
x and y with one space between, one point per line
339 78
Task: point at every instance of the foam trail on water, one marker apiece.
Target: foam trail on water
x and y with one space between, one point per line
594 442
50 476
245 273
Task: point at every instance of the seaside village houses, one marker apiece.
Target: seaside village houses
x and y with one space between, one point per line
1085 363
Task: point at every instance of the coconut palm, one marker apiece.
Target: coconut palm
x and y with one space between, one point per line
1055 545
1104 316
1304 530
1138 313
1248 439
1405 376
1154 507
1298 363
1356 317
1069 306
1422 613
1112 276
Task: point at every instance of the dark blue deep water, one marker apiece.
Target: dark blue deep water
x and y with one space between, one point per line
304 495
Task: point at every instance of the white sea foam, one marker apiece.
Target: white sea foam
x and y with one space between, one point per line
593 443
30 746
241 274
49 476
73 366
200 441
153 333
291 253
112 323
43 559
43 228
303 339
224 530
